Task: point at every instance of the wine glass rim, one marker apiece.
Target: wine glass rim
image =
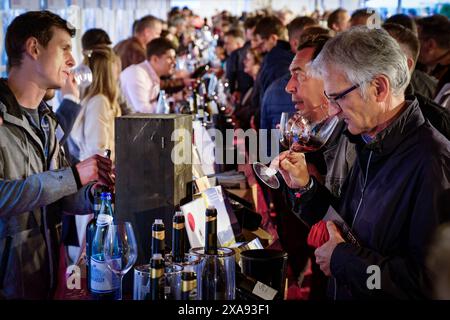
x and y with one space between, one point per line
221 252
121 222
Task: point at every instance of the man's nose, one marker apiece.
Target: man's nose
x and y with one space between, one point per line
333 109
290 87
71 61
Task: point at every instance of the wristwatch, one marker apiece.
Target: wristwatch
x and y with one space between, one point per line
299 191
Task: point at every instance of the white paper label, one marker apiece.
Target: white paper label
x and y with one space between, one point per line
264 291
103 280
104 219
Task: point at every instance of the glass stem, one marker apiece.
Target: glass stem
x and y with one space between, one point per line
120 287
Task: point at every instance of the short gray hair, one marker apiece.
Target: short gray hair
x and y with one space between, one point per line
361 54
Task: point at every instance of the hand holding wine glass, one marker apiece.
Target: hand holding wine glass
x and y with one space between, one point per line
293 168
301 132
120 249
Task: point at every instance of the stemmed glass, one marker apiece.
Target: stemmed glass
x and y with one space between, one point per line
82 75
300 132
120 249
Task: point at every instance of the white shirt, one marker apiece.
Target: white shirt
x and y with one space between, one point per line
140 85
93 130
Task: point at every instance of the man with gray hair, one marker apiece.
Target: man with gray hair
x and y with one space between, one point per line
398 190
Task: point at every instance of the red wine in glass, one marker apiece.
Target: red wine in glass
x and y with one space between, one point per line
298 135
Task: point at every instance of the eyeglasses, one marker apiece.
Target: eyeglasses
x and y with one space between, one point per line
335 98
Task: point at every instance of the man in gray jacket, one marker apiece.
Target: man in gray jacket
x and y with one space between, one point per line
37 185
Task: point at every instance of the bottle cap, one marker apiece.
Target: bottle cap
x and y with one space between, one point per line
105 196
157 256
158 221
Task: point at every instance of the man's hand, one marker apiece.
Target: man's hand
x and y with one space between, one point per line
1 120
293 168
323 253
96 168
70 87
236 97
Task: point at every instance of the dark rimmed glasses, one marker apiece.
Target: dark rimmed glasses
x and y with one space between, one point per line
334 98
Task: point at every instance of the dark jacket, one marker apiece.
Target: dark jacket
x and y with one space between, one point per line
238 79
423 84
35 190
438 116
275 101
397 193
66 114
275 65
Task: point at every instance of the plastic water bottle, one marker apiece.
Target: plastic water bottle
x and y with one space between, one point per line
162 106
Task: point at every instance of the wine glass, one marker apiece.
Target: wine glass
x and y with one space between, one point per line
82 75
120 249
301 131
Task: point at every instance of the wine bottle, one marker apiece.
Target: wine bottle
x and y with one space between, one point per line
104 284
156 277
248 288
211 230
202 94
178 237
188 285
158 237
213 270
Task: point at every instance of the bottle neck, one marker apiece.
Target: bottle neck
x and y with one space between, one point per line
105 215
106 207
211 236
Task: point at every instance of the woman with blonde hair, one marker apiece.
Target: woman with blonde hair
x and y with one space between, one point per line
93 131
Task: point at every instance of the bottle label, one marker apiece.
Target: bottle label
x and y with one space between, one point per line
178 226
103 280
160 235
104 219
263 291
167 290
156 273
188 285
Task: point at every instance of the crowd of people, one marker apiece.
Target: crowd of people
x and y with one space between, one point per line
385 170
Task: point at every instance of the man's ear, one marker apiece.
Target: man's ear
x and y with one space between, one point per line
32 47
154 60
410 62
432 44
382 87
428 45
335 27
